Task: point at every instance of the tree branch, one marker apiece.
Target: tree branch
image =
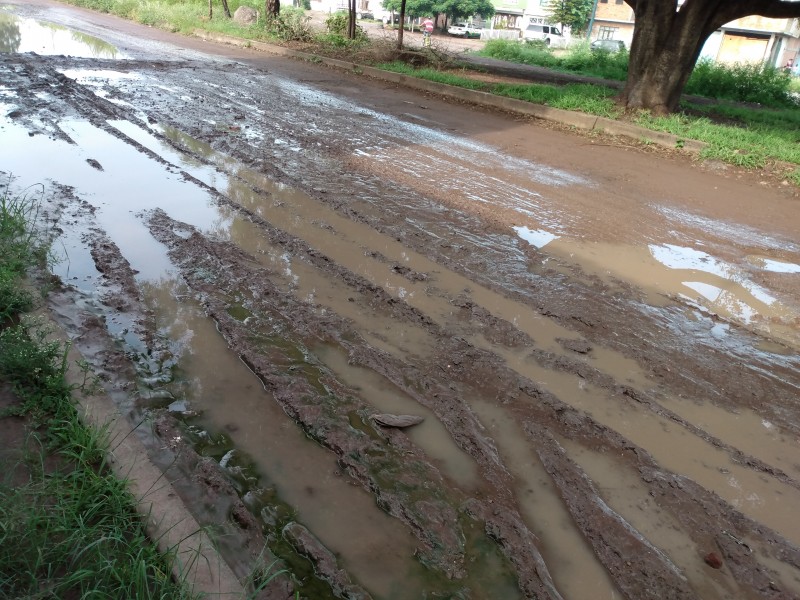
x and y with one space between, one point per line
774 9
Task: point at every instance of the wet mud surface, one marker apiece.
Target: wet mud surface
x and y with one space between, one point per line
258 255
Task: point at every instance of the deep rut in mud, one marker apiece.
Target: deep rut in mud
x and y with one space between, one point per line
257 262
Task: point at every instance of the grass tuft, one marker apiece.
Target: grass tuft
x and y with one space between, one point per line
69 529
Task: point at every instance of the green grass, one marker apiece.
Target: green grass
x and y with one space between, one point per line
756 83
752 146
740 82
578 60
68 526
591 99
436 75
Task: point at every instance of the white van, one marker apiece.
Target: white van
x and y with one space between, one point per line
551 35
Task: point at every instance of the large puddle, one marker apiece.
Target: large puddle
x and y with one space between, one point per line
120 182
21 34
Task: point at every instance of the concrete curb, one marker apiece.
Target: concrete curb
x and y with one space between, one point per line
167 520
575 119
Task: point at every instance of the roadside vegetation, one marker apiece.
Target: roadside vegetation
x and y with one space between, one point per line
68 526
750 120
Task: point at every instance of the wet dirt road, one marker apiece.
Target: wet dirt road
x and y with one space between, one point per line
258 255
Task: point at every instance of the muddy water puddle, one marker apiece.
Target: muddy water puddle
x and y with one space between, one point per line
757 495
22 34
687 272
127 182
573 565
371 545
624 492
349 243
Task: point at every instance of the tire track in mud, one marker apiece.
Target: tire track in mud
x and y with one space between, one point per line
432 519
617 558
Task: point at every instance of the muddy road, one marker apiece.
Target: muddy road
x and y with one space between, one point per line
258 255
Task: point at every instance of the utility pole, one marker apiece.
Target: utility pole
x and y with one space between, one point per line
591 21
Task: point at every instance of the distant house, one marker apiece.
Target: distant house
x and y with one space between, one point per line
775 42
755 39
508 13
613 20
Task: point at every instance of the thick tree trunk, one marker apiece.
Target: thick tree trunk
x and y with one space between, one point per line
272 8
666 44
226 9
402 25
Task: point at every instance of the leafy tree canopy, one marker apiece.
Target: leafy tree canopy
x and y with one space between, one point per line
572 13
455 9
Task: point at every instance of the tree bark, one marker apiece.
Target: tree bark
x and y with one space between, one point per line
668 41
272 8
210 10
402 25
351 19
226 9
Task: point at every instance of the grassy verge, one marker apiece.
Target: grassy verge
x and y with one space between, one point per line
587 98
68 526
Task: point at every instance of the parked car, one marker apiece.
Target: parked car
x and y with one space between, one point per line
551 35
465 30
607 45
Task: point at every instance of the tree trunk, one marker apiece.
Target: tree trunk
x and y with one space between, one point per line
272 8
351 19
402 24
210 10
665 48
226 9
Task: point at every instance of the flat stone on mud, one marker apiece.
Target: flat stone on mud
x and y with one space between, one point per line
245 15
399 421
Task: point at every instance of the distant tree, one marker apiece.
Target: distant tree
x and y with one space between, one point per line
454 9
572 13
463 9
414 8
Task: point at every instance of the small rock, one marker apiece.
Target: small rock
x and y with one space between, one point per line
713 560
94 163
245 15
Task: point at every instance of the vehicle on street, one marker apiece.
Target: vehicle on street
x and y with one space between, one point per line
551 35
607 46
465 30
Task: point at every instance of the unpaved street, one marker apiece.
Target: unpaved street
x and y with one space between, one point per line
258 255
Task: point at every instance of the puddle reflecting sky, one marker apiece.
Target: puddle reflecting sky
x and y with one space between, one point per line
722 287
20 34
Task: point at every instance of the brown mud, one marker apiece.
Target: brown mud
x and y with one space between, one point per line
260 254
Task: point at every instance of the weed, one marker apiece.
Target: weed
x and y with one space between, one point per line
579 59
20 244
291 25
746 82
